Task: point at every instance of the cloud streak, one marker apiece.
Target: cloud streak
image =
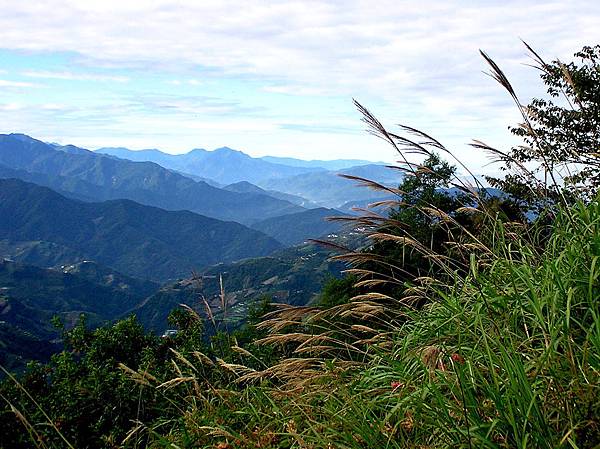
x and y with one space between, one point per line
18 84
70 76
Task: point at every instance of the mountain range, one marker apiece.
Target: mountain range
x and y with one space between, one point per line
31 296
335 165
223 165
135 239
306 183
212 164
99 177
329 189
99 232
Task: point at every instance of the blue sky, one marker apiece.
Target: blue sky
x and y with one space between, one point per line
274 78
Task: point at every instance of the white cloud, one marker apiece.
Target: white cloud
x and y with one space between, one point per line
295 90
399 52
190 82
74 76
417 61
8 107
18 84
347 48
54 107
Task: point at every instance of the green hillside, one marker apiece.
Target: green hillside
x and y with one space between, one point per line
30 297
137 240
293 229
290 276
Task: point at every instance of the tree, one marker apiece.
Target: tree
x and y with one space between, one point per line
426 190
428 187
561 134
88 398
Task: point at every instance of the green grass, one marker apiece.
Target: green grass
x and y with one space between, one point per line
507 356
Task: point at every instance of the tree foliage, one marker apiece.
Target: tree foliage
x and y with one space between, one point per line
560 154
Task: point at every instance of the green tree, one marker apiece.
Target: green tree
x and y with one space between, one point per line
337 291
426 198
83 391
427 188
560 155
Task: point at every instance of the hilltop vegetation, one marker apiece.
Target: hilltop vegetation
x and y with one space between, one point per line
30 297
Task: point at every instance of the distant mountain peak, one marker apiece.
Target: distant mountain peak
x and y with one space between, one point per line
22 137
197 151
244 184
228 149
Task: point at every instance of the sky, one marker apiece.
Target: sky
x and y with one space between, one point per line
276 78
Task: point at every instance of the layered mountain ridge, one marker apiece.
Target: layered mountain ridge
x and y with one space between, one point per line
104 178
307 183
104 231
216 165
138 240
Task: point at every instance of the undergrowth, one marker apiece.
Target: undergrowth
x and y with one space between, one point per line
507 356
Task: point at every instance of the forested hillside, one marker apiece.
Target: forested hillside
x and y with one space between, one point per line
293 229
30 297
293 275
138 240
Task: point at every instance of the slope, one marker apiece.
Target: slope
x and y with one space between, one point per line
144 182
334 164
296 228
328 189
223 165
137 240
246 187
31 296
293 275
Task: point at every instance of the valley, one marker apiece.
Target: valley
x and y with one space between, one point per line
117 232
